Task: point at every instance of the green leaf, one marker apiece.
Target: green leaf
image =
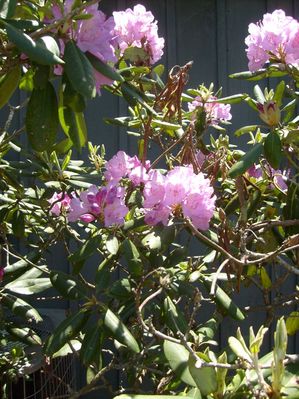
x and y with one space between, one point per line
68 348
204 377
73 125
86 251
143 396
134 96
22 264
165 125
19 307
225 302
25 335
178 357
70 97
119 331
238 348
246 161
8 84
29 286
104 68
292 323
92 344
7 8
234 99
112 245
279 91
42 118
79 70
67 285
66 330
36 51
174 318
246 129
272 149
132 257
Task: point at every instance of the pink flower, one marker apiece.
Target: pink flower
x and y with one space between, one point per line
77 209
199 204
119 166
154 189
215 112
137 28
276 175
93 35
158 214
177 184
277 34
181 189
115 209
59 201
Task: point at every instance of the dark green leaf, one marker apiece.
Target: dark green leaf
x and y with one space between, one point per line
134 96
79 70
291 210
272 149
20 307
8 84
132 257
67 330
42 118
279 91
67 285
104 68
86 251
224 301
92 344
174 318
119 331
22 264
246 161
234 99
36 51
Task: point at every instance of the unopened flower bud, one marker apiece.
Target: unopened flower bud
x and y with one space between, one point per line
269 112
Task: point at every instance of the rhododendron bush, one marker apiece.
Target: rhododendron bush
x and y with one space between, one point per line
160 248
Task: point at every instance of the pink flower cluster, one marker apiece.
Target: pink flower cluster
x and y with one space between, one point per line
276 34
93 35
180 191
137 28
215 112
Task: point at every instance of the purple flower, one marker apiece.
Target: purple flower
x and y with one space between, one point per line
215 112
276 34
137 28
119 166
59 201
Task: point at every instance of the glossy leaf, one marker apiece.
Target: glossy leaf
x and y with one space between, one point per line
272 149
42 118
178 357
204 377
279 92
87 249
29 286
119 331
239 349
19 307
112 245
26 335
67 285
246 129
92 344
174 318
8 84
104 68
225 302
35 51
132 257
66 330
79 70
246 161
